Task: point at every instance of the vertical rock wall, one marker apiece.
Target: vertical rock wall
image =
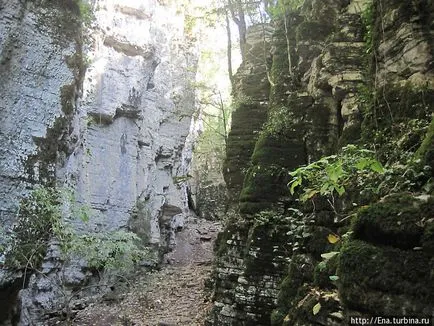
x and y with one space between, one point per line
40 51
356 71
251 90
115 134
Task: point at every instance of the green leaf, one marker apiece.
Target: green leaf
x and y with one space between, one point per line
362 163
295 183
333 278
377 167
316 308
309 193
329 255
322 266
340 189
332 173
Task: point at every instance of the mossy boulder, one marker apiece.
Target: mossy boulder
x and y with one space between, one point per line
396 221
292 288
261 188
384 280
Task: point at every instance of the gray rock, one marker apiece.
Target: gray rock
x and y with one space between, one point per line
126 136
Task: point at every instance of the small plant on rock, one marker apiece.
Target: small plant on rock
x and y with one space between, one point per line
330 175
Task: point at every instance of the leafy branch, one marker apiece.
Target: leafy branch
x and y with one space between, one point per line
332 174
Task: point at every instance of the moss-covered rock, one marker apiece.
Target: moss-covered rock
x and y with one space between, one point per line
317 243
247 120
300 272
397 221
385 280
312 31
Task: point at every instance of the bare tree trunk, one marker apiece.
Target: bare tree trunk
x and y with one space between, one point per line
264 40
288 48
225 127
229 49
238 16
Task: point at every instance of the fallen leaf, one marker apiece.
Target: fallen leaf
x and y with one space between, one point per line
316 308
333 277
333 238
329 255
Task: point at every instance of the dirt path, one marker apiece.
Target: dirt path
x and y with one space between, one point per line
172 296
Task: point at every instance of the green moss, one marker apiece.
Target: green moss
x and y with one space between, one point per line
291 289
278 151
247 120
395 221
279 72
365 269
396 118
262 185
277 317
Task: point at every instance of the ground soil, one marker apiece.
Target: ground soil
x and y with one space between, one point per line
173 295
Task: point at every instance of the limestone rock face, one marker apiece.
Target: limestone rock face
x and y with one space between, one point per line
115 134
33 70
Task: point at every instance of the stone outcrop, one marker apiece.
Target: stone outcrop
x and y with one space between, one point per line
251 89
104 112
348 78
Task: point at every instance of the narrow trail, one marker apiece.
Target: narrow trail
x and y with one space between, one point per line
172 296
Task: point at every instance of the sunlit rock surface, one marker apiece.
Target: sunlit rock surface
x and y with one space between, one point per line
116 134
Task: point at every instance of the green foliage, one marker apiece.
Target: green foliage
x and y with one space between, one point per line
85 10
298 230
368 21
189 24
40 222
38 219
116 250
279 121
283 6
332 174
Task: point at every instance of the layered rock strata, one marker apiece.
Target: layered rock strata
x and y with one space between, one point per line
347 78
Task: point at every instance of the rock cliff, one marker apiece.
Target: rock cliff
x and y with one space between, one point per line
96 100
357 72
